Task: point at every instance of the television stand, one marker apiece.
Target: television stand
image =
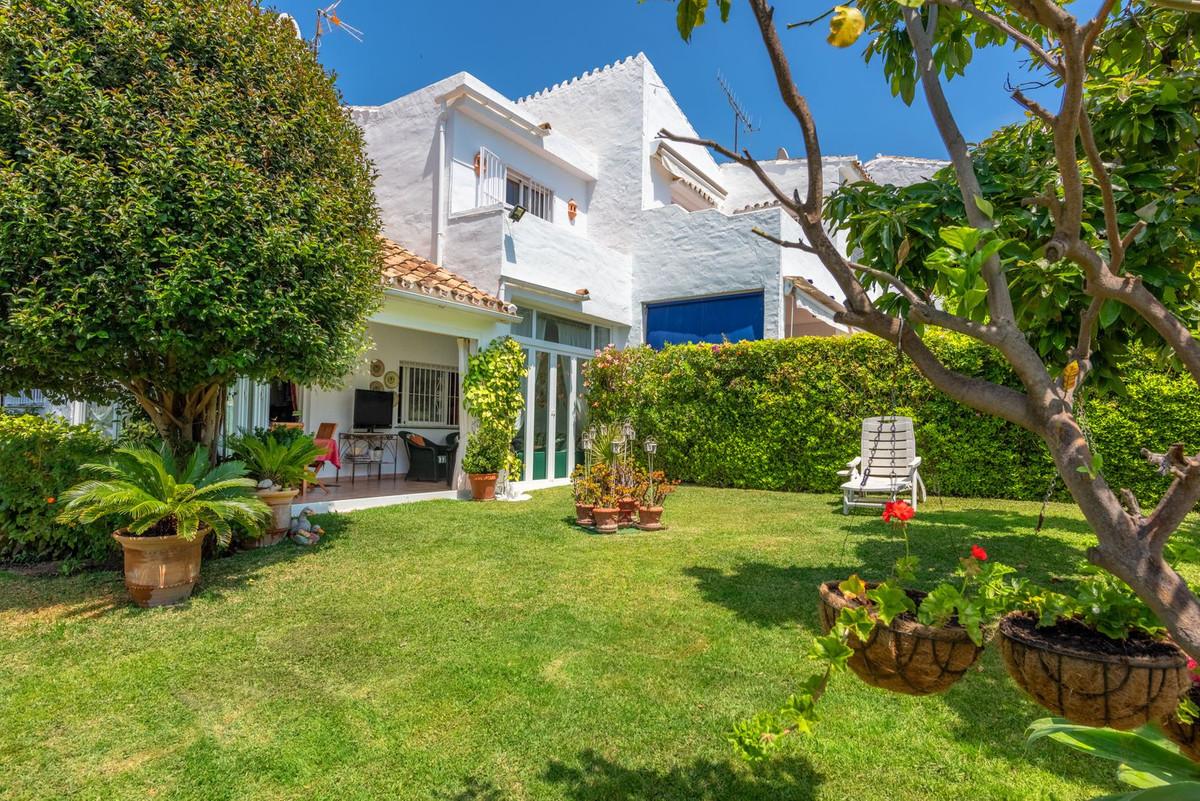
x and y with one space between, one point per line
370 448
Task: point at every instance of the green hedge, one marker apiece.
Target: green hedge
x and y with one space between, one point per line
786 414
39 460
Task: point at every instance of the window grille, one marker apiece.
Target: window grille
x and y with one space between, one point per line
430 395
489 183
521 191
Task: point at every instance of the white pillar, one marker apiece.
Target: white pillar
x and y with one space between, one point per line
572 402
530 395
465 423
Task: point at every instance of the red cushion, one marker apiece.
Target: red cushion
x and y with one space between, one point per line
417 439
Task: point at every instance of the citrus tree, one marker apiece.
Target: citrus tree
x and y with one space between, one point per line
182 201
1107 228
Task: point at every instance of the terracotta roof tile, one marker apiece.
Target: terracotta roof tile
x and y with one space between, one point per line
405 270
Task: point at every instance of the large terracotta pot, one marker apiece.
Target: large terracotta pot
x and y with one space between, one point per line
280 502
483 486
583 514
1122 685
160 571
905 656
606 519
650 518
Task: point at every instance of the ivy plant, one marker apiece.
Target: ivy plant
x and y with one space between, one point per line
492 395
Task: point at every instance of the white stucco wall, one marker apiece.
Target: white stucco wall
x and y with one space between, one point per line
468 135
659 111
402 140
602 110
679 254
541 253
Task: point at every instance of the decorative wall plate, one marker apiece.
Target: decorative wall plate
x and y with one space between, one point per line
377 367
377 385
391 379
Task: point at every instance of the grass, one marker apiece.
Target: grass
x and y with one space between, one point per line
481 652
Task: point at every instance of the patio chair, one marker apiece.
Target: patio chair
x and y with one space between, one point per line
324 439
427 460
887 466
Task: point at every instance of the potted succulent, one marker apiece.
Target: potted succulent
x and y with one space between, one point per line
606 511
168 506
585 491
627 480
1099 658
280 465
656 488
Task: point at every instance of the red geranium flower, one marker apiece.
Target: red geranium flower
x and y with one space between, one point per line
1191 664
978 553
898 511
51 499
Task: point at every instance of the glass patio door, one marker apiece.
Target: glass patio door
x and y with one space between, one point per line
548 432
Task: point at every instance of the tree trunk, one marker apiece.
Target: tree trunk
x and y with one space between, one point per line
184 419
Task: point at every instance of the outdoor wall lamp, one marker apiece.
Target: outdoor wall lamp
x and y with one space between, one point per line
517 213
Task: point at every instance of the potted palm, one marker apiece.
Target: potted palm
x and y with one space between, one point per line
280 465
168 506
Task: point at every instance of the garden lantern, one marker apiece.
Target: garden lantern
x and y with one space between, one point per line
589 439
651 446
618 445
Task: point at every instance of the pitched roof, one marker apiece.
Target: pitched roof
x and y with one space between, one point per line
405 270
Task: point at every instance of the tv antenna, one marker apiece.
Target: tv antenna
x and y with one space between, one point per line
741 120
327 20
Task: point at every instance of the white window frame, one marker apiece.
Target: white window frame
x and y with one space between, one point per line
531 194
449 400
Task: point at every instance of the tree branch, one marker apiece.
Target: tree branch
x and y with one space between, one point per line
1034 47
1112 227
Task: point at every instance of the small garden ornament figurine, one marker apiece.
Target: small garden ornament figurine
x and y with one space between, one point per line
304 531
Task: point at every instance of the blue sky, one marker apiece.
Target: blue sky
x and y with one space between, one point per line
520 46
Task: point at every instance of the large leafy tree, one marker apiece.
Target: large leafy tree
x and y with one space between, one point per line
1092 201
182 201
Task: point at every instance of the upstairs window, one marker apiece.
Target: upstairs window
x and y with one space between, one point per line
521 191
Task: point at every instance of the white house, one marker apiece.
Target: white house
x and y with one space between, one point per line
563 219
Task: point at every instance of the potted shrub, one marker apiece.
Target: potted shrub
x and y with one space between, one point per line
606 511
1183 725
485 457
167 507
657 487
1099 658
585 492
280 465
492 395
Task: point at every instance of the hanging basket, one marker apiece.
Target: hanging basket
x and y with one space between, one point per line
1079 674
905 656
1185 735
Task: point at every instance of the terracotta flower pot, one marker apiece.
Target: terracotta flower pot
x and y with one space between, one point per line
650 518
1185 735
1079 674
160 571
905 656
583 514
280 502
483 486
605 519
628 507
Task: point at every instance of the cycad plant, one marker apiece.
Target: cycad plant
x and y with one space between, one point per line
160 495
284 461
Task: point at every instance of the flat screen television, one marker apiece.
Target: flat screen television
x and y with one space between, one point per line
373 409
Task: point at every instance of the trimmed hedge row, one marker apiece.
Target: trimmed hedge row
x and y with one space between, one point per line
786 415
39 460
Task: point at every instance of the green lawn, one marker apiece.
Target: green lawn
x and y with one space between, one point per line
461 651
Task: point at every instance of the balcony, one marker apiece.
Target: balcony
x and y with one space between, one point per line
486 247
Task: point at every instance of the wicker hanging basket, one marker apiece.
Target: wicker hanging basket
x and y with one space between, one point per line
905 656
1185 735
1118 690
